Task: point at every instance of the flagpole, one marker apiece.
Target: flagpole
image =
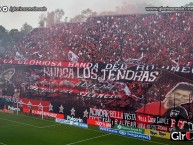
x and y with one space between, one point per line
189 107
17 107
42 109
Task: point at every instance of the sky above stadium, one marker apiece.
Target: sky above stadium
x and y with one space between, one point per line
71 8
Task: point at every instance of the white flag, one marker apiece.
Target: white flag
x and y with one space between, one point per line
72 56
18 56
127 90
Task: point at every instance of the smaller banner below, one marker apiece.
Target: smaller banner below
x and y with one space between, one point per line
156 133
99 123
68 122
125 133
129 129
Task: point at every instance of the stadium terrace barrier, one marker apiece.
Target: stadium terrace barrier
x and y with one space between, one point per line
7 111
46 114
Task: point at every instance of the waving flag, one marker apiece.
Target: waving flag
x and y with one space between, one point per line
72 56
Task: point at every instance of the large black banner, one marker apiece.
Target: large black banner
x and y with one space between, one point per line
107 86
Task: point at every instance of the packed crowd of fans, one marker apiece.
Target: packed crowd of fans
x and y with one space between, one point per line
160 39
163 38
